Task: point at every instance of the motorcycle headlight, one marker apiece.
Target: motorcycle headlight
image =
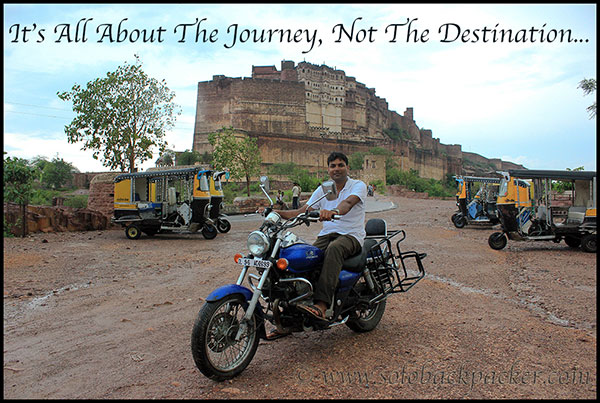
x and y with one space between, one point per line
258 243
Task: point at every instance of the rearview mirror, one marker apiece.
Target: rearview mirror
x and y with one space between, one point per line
264 181
329 190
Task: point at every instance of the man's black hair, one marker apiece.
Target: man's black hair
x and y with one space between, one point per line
336 155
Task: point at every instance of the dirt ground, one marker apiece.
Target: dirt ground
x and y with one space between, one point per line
95 315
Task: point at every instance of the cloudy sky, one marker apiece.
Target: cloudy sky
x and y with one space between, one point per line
501 80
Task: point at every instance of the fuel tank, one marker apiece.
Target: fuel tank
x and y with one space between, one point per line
302 257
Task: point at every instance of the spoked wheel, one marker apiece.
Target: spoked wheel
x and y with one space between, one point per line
497 240
367 316
216 352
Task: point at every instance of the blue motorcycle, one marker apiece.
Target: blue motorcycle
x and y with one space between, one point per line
228 327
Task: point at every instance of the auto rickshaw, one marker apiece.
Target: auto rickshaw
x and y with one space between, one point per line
526 210
479 209
216 201
163 201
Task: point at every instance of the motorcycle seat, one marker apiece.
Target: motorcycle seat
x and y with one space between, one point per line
356 263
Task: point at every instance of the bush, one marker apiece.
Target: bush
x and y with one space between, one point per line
307 181
379 186
77 201
43 197
7 228
411 180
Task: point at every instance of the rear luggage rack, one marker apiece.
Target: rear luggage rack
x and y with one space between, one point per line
383 266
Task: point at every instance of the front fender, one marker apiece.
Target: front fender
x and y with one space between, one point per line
229 289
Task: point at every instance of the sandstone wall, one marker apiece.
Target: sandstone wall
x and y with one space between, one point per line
101 197
253 105
303 112
53 219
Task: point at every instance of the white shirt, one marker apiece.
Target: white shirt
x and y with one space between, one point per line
353 222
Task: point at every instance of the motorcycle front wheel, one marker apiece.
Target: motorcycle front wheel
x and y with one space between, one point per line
217 353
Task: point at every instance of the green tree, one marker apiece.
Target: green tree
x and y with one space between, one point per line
589 86
238 153
166 159
307 181
561 186
121 117
56 173
356 160
18 185
188 157
38 164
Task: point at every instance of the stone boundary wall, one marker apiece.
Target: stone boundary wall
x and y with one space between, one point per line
54 219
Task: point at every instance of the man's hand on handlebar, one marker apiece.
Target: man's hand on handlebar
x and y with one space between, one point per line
327 215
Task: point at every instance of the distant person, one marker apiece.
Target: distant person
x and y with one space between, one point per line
296 190
280 199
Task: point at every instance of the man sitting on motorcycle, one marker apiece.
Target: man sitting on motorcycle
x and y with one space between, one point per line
340 238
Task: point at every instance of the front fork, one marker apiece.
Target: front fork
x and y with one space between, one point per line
253 301
257 292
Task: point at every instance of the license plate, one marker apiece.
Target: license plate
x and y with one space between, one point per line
263 264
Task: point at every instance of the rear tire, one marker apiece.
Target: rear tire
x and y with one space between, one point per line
366 318
588 243
497 241
572 241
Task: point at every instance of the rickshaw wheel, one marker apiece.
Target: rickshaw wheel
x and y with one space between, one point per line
497 241
223 226
209 231
588 243
132 231
460 221
572 241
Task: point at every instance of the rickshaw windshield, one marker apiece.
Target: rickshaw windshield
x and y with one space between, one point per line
503 189
203 183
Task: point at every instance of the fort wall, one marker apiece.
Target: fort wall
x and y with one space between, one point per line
302 112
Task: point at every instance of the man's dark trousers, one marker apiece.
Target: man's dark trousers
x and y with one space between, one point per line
337 249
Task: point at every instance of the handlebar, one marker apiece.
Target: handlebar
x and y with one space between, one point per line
314 215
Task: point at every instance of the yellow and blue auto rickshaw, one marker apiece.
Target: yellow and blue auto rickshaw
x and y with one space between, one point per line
527 212
163 201
478 209
216 201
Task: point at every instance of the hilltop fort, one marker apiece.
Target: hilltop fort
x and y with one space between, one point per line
302 112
